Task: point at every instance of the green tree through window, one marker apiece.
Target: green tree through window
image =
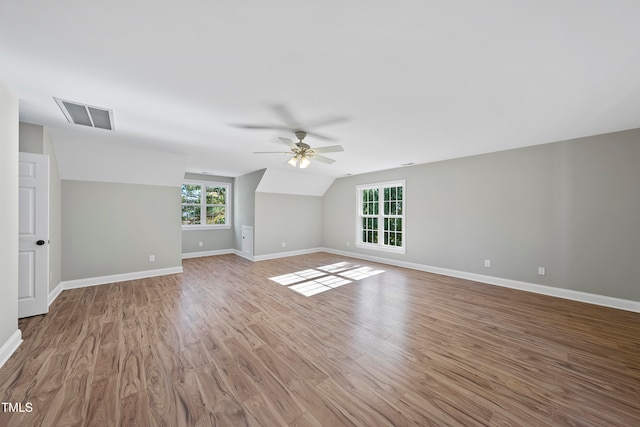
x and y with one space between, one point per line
205 204
381 216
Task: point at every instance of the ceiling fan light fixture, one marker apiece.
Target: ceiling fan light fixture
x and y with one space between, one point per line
304 162
302 152
294 160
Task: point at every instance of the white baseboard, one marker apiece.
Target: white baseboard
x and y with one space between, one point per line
287 254
606 301
207 253
93 281
10 347
55 292
255 257
243 255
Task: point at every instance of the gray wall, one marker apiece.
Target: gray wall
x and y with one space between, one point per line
36 139
570 206
244 203
212 240
600 214
8 214
55 213
112 228
295 220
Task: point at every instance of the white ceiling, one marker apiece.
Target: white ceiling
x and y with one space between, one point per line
418 81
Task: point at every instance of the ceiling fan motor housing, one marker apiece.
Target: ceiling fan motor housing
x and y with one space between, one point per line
300 134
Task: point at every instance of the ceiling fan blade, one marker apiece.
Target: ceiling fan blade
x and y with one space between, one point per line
289 143
328 149
250 126
320 136
324 121
286 116
322 159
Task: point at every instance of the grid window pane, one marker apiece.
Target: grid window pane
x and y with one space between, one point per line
190 215
216 215
191 193
384 204
216 195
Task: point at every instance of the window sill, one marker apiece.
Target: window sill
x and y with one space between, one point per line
205 227
395 250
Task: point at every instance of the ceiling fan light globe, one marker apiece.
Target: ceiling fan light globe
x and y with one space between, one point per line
304 162
293 161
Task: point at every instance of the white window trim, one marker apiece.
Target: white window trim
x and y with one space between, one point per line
381 246
228 213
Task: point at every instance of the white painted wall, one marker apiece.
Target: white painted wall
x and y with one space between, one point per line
297 181
92 161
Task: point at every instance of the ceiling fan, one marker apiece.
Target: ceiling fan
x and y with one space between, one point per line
302 153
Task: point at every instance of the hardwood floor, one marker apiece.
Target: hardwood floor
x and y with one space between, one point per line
222 344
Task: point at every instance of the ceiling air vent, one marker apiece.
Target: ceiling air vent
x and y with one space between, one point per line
86 115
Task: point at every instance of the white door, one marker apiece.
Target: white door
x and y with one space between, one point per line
247 241
33 250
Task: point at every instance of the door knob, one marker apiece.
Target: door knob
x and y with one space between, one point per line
40 242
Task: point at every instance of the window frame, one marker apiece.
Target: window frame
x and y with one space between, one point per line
203 205
380 216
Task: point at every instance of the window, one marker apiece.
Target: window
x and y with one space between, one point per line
381 210
205 204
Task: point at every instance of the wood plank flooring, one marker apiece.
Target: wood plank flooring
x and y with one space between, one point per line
221 344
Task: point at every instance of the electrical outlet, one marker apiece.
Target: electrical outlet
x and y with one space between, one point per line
200 244
487 263
348 244
152 258
542 271
284 244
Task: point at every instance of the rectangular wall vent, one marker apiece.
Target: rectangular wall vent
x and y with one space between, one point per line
86 115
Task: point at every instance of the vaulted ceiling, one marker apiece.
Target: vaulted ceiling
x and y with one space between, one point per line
413 81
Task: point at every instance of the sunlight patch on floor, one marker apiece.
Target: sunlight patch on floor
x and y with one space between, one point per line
317 280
